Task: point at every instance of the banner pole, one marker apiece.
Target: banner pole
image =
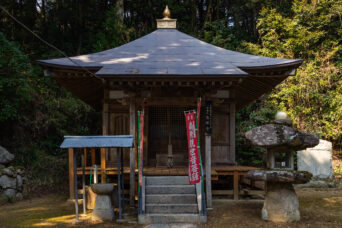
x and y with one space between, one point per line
201 165
139 190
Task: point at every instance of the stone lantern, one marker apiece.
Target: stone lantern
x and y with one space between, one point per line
280 140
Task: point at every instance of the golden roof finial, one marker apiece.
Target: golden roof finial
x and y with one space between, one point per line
166 22
166 13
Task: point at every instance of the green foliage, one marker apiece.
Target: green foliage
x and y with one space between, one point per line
310 30
115 32
313 97
252 116
219 33
14 90
35 114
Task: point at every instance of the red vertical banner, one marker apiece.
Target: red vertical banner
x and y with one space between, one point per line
141 145
194 167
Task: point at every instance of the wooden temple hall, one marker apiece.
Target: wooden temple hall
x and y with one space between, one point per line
167 71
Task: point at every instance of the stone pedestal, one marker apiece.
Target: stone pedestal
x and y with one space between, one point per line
281 203
103 209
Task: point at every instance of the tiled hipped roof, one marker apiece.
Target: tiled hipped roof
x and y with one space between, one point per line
169 52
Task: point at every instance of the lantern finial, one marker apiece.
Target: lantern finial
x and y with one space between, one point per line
166 22
167 13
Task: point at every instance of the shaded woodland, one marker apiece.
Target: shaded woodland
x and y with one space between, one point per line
35 112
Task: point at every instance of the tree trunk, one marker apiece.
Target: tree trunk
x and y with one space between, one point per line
119 8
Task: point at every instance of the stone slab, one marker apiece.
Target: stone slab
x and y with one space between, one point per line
280 137
279 176
8 182
5 156
317 160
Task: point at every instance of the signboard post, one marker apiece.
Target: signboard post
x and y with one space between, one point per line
140 155
141 145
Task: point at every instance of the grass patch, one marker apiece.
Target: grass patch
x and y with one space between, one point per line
318 207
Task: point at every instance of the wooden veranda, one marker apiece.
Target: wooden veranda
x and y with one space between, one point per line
217 172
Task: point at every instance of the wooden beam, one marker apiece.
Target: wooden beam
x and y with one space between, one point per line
241 192
208 170
71 173
132 112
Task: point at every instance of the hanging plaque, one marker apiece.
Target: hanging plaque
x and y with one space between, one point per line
207 117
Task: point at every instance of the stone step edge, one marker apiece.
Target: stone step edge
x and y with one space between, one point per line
175 215
171 204
163 176
170 194
173 218
168 186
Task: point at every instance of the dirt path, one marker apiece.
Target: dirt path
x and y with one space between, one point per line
319 208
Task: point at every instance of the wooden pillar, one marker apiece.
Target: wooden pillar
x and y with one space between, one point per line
232 131
71 173
105 113
103 165
208 170
85 157
132 113
236 185
105 121
93 162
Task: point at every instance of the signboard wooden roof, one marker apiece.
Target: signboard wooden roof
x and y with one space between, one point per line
100 141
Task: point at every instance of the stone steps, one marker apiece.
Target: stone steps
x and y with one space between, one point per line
170 199
166 189
167 180
171 218
171 208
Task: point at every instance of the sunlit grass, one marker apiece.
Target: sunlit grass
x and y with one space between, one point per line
333 202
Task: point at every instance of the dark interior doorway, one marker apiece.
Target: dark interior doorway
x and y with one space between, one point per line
167 136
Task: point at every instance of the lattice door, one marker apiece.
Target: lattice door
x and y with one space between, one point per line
167 127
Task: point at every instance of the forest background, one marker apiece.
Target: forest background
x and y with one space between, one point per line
35 112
